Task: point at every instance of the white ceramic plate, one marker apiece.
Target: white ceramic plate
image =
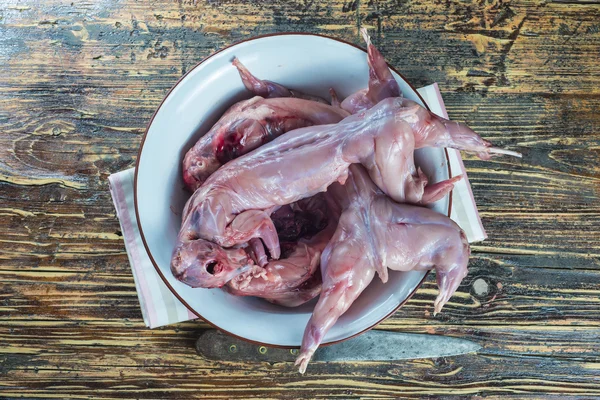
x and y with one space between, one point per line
309 63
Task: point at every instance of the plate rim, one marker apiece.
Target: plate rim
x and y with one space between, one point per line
135 190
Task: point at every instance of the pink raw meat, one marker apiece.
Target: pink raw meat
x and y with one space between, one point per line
246 126
283 281
269 89
382 83
235 203
373 234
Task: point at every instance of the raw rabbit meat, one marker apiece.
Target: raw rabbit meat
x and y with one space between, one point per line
303 228
374 234
235 203
382 83
291 224
246 126
301 219
268 89
300 295
282 281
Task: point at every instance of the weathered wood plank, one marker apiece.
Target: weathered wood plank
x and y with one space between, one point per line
465 375
496 297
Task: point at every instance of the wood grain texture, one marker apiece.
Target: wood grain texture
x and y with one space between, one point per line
79 82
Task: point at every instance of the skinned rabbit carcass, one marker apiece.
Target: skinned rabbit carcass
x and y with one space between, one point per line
373 234
235 203
247 125
381 85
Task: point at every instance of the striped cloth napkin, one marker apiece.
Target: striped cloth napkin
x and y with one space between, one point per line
160 307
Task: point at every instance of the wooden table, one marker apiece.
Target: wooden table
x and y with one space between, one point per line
80 80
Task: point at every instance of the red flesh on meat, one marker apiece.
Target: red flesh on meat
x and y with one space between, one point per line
248 125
